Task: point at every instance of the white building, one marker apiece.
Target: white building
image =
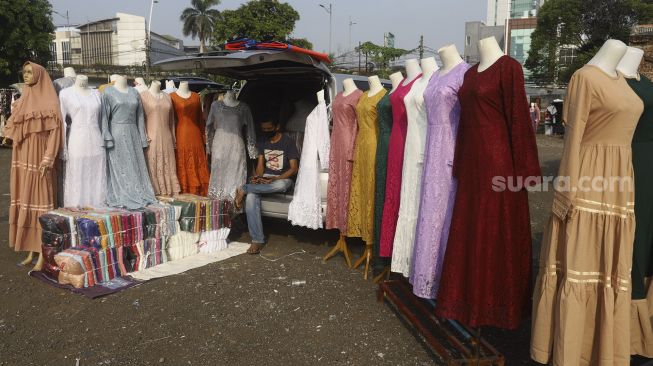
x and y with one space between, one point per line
497 12
66 47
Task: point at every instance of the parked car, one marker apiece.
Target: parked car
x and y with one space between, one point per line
195 84
360 81
272 78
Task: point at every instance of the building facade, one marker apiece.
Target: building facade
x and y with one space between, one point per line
497 12
474 32
522 24
66 47
642 37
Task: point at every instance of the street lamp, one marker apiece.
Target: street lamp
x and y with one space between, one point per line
350 25
330 11
148 40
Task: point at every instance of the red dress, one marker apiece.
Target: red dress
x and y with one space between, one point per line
395 168
487 266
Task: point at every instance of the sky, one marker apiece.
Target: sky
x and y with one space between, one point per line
441 22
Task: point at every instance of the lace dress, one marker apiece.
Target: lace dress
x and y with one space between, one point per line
123 132
384 118
306 206
85 182
228 160
438 185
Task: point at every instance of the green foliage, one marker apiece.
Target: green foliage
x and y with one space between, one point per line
200 20
25 35
380 55
300 42
257 19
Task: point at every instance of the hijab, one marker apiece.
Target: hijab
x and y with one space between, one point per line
37 109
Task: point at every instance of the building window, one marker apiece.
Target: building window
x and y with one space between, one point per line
468 41
65 50
567 55
53 51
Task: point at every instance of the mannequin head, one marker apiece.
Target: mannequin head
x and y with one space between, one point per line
155 87
429 66
170 84
629 64
609 56
81 81
113 78
28 74
69 72
396 79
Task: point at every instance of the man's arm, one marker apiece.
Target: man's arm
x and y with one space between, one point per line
294 168
260 166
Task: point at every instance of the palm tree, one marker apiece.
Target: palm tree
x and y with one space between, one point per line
199 20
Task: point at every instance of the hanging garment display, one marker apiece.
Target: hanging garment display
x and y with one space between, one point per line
486 272
228 152
438 185
295 125
160 153
641 328
123 132
583 289
192 165
85 183
402 252
384 118
341 159
35 129
306 206
361 198
394 167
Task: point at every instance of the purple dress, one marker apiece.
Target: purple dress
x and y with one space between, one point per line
438 185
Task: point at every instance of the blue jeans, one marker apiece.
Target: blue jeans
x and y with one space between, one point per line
253 205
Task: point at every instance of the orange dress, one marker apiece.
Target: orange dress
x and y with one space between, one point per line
192 164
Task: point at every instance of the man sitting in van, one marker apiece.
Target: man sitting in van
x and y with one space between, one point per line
278 162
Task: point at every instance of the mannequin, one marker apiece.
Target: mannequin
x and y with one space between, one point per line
183 90
429 67
320 96
81 85
170 87
609 56
121 84
140 85
450 58
349 86
629 64
413 70
155 89
66 81
396 80
375 86
69 72
230 99
490 52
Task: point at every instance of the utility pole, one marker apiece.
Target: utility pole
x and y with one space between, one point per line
421 47
148 41
359 56
330 11
350 25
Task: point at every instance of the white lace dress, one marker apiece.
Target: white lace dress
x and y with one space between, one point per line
411 181
85 182
305 208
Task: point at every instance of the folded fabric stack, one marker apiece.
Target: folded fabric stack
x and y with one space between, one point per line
213 241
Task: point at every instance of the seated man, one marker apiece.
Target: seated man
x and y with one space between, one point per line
278 162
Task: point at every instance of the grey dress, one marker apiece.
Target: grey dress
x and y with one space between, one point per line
225 139
123 133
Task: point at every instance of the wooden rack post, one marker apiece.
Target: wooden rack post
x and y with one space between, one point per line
341 247
366 257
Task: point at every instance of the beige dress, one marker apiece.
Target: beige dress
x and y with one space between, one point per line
160 127
581 302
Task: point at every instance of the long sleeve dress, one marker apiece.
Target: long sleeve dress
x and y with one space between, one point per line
192 164
160 129
411 177
361 197
384 118
123 132
228 152
394 167
583 289
438 185
85 183
306 206
341 159
487 265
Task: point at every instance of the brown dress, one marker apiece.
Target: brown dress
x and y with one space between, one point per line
160 129
36 130
581 302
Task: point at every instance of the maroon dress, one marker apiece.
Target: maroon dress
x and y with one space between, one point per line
395 167
341 159
487 266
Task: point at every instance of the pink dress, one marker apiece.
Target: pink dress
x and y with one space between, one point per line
395 167
341 159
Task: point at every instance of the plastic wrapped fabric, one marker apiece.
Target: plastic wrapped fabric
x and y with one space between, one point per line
89 233
55 231
213 241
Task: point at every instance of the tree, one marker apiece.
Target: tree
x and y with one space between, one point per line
380 55
200 20
25 34
258 19
580 25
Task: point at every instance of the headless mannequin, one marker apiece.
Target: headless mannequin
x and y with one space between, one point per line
413 70
69 72
609 56
183 90
629 64
396 80
490 52
230 99
113 78
121 84
140 86
450 58
320 96
429 67
81 85
155 89
375 86
170 84
349 86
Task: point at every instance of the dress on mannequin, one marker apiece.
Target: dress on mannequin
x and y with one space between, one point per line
123 132
35 129
394 167
228 152
495 139
192 165
160 127
85 183
306 206
438 184
341 159
63 83
583 289
361 198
